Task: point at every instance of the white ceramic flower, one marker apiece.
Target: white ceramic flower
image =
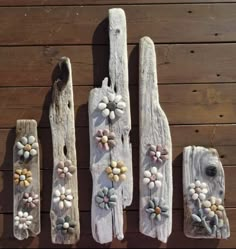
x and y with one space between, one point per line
27 146
63 197
213 207
198 190
152 178
23 220
112 106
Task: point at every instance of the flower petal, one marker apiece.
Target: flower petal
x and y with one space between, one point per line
33 152
20 152
63 190
19 145
121 105
105 99
35 146
26 154
61 205
154 170
146 180
111 97
153 148
68 163
105 113
69 197
105 132
56 199
147 173
102 106
158 184
67 204
24 140
118 98
112 115
151 185
31 139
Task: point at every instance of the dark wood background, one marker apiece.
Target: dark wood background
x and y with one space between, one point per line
196 47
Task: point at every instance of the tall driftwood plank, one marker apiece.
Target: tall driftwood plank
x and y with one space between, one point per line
204 193
61 115
26 170
107 224
155 176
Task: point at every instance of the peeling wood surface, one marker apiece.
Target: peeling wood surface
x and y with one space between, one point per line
203 165
154 131
61 115
107 224
26 128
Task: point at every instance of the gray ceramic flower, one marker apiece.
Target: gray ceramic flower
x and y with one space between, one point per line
157 209
31 200
106 198
27 147
65 225
105 139
158 153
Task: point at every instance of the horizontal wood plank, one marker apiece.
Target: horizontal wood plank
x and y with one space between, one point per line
219 137
88 24
181 63
133 239
100 2
85 179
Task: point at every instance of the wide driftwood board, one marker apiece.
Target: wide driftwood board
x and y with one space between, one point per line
204 193
26 170
155 151
110 148
65 226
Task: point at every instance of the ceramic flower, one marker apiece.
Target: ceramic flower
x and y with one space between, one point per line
112 106
31 200
152 178
105 139
65 225
158 154
23 177
106 198
27 146
157 209
117 171
23 220
65 169
63 197
198 190
213 207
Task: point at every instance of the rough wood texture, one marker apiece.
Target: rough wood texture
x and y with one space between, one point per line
26 128
106 224
210 22
63 141
154 130
202 168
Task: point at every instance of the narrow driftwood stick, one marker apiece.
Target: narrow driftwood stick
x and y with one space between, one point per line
155 151
65 226
26 180
204 192
109 112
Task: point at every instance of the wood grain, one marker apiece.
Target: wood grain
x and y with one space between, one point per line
177 63
211 23
61 115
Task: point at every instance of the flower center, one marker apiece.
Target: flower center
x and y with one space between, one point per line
66 225
22 177
106 199
27 147
153 178
30 199
157 210
65 169
63 197
23 220
104 139
111 106
213 208
158 154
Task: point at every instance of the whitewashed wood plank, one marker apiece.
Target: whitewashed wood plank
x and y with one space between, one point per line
203 187
26 188
107 224
61 115
154 130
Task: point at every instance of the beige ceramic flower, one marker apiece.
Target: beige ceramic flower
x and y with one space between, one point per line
117 171
23 177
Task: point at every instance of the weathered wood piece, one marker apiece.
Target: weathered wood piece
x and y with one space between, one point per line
155 151
204 192
65 226
26 170
110 148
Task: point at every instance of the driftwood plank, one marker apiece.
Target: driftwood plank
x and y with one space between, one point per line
26 189
155 151
109 110
65 227
204 192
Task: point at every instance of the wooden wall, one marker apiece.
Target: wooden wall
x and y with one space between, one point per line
196 47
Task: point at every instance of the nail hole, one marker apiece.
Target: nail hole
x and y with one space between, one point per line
218 75
221 192
221 116
222 156
194 91
216 34
192 51
196 131
65 150
117 31
190 11
122 139
69 104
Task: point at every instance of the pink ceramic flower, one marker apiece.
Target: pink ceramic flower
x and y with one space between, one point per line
158 153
